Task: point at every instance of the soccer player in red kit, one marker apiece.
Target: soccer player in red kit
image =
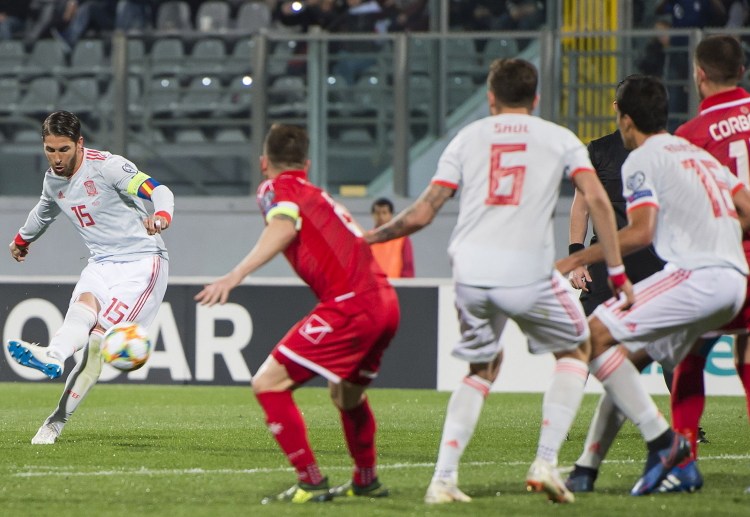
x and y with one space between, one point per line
345 335
722 127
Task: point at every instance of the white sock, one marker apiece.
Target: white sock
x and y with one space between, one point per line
605 425
622 382
560 405
461 419
74 333
80 381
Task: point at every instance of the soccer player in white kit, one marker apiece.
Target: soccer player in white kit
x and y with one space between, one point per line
126 277
510 167
680 198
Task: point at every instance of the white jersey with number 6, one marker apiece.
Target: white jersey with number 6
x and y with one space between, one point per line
510 168
697 224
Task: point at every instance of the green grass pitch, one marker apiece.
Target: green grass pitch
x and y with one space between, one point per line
204 451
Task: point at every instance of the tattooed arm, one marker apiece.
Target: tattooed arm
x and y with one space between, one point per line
417 216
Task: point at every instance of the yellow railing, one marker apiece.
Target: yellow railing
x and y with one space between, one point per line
589 67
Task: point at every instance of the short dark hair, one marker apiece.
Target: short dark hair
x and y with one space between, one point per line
722 59
286 146
513 82
382 201
62 123
644 99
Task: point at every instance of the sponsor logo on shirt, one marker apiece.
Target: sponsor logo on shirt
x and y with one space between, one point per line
90 187
315 329
60 195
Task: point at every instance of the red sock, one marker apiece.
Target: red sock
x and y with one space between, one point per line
288 428
359 431
743 370
688 398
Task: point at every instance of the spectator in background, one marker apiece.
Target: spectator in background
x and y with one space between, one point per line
738 13
46 18
98 15
396 257
409 15
135 15
353 58
653 57
685 14
13 15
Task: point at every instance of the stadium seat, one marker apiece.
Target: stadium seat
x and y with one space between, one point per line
10 94
241 60
12 55
287 96
81 95
420 55
162 96
237 97
189 136
167 57
47 57
252 17
136 55
212 16
207 58
463 58
135 106
460 88
231 135
499 48
87 58
41 96
202 96
173 16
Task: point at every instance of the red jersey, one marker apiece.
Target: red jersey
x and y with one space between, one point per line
722 128
329 253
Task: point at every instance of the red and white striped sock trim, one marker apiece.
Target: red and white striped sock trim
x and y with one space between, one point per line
571 365
603 366
479 384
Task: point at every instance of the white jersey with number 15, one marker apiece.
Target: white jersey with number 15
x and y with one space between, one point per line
510 168
697 224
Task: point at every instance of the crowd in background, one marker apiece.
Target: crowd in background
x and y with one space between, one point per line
70 20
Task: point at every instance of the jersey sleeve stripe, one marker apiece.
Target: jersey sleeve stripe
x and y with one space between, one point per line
283 208
444 183
642 204
737 188
581 169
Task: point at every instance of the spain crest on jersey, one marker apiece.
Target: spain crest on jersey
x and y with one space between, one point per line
90 187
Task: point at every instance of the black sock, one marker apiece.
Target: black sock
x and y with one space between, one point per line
662 441
578 470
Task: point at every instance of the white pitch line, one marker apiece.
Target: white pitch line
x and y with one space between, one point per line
55 471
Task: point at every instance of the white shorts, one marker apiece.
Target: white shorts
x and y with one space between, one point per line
548 313
126 291
673 308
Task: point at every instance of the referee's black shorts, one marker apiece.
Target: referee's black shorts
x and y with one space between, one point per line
638 266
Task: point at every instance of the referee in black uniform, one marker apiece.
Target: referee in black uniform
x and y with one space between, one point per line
607 154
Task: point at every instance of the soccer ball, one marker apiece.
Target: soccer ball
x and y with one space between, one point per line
126 346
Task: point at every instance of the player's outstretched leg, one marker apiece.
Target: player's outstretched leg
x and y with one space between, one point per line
37 357
82 378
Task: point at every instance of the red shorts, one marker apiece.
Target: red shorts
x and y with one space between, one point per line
341 340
